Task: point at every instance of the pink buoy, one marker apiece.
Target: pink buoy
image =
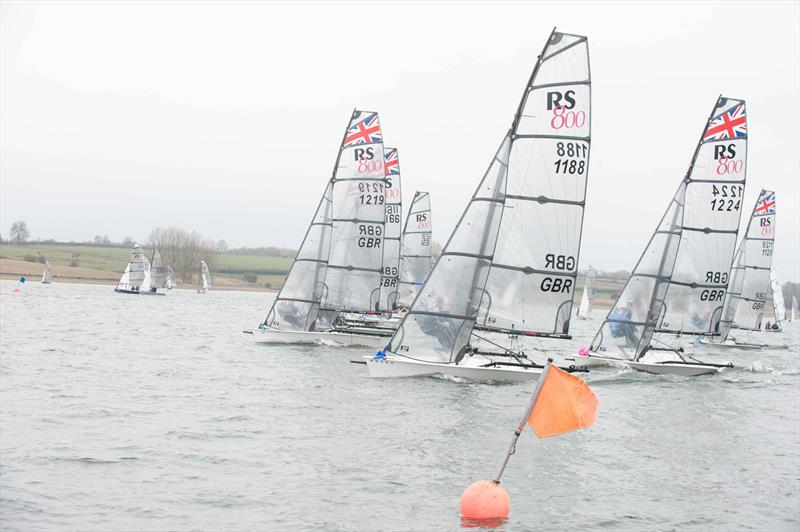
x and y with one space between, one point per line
583 352
485 499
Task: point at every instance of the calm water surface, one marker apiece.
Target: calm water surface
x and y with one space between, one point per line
157 413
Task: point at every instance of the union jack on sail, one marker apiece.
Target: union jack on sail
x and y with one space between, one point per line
365 128
731 124
766 204
391 162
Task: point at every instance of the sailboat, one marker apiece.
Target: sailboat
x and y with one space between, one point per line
136 279
794 308
778 303
587 296
744 302
205 278
170 278
743 306
679 283
510 265
157 277
416 259
47 275
339 265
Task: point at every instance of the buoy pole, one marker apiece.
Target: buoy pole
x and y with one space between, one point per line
523 421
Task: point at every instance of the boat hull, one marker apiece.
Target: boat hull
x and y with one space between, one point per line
137 292
390 367
658 368
346 339
734 345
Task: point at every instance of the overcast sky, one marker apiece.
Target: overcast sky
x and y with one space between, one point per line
226 118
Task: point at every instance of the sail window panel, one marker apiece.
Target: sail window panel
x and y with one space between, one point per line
317 243
570 65
659 256
524 302
304 281
692 310
562 111
431 338
477 231
724 160
558 227
618 339
553 169
413 272
703 260
714 206
290 315
455 287
352 290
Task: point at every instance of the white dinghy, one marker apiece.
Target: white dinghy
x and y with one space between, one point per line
679 283
327 280
47 275
744 304
510 265
170 283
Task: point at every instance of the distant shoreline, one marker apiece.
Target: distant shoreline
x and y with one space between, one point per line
30 278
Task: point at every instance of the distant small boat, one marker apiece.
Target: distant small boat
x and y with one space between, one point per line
170 278
136 279
47 275
205 277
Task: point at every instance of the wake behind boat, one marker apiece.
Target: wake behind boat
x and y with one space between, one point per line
510 265
679 283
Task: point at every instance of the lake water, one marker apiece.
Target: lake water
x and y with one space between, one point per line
157 413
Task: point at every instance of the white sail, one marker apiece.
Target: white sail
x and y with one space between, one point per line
147 284
680 280
157 277
134 274
415 258
353 275
794 307
777 298
392 232
170 278
298 301
205 275
47 275
750 277
587 296
510 264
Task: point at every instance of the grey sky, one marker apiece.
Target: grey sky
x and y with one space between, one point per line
226 118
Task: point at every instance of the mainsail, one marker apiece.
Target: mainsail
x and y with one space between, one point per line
170 278
134 274
353 275
750 272
205 275
511 262
680 280
297 303
415 257
47 275
157 278
392 231
777 298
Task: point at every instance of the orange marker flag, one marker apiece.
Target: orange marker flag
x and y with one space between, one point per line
564 403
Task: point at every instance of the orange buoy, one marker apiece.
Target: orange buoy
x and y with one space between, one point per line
485 499
16 289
